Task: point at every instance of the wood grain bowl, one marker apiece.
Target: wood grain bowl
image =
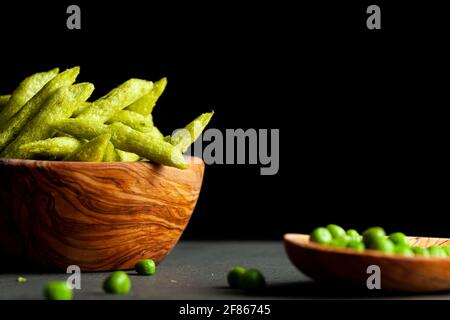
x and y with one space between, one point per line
99 216
398 273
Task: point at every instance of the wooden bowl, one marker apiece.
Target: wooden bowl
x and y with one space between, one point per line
398 273
99 216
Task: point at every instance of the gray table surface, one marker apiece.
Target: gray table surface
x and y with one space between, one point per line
197 270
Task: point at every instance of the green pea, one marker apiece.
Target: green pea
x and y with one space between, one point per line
371 234
118 283
447 250
321 235
336 231
381 244
252 280
398 238
357 245
418 251
403 250
234 276
352 233
340 242
145 267
58 290
437 252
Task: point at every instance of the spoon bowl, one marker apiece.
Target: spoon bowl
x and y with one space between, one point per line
398 273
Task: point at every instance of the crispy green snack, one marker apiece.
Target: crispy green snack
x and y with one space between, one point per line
55 148
117 99
183 138
4 100
152 131
59 106
81 108
126 139
127 156
131 119
24 92
93 151
146 104
110 154
13 126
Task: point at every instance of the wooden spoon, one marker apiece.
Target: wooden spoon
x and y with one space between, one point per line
398 273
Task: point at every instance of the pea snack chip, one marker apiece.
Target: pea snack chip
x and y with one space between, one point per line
49 117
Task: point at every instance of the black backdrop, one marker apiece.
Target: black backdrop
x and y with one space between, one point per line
361 113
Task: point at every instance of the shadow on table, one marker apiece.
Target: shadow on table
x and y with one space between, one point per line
314 290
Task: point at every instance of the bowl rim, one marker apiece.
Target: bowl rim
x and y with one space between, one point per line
13 162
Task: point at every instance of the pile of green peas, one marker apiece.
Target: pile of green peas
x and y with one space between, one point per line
250 280
374 238
117 282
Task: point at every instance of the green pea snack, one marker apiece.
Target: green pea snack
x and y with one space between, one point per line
52 148
11 128
373 238
132 119
93 151
48 117
110 153
117 99
183 138
146 103
127 156
126 139
4 100
24 92
59 106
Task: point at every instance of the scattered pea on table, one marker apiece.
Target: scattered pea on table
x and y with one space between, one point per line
117 283
234 276
252 280
145 267
249 280
58 290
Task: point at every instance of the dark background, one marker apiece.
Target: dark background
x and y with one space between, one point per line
361 113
